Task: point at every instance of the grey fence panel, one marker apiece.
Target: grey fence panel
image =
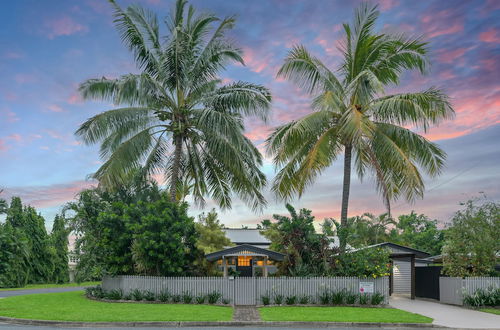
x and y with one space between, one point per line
452 289
244 290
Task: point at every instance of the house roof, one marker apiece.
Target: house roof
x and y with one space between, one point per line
397 249
246 236
245 249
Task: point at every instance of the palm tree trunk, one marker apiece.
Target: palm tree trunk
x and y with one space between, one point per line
345 197
174 179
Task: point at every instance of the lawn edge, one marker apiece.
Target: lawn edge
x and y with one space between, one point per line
12 320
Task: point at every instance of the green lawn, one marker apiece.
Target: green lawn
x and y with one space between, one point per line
73 306
491 310
46 286
340 314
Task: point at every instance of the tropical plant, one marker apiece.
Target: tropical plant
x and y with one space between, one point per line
179 120
353 116
363 299
137 295
278 298
472 246
291 300
324 297
164 296
266 298
213 297
377 298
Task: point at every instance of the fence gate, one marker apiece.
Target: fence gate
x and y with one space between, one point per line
427 282
244 291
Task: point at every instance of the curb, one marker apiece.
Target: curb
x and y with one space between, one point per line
180 324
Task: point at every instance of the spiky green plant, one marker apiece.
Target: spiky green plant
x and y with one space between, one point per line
353 116
178 118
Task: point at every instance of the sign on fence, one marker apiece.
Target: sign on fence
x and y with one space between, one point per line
366 287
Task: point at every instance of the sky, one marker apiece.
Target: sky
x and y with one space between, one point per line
47 48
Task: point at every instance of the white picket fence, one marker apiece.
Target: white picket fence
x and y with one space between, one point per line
245 290
452 289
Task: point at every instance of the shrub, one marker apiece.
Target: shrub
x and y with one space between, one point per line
350 298
127 297
363 299
483 297
324 297
337 298
278 299
377 298
266 298
187 297
225 301
164 296
114 294
213 297
304 300
149 296
176 298
291 300
200 299
137 295
95 292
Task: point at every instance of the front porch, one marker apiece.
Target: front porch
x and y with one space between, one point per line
246 260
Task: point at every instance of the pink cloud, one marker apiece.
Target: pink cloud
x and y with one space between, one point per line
441 23
9 115
63 26
3 146
12 55
490 35
15 137
48 196
74 98
388 4
452 55
55 108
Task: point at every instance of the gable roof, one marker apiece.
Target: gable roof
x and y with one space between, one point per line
397 249
241 249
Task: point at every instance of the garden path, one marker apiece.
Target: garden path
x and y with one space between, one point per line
246 313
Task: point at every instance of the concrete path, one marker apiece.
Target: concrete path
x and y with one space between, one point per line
246 313
4 294
447 315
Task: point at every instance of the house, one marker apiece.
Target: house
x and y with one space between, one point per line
250 255
404 260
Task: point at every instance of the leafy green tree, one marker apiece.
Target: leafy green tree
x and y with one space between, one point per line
210 238
59 242
306 251
373 262
418 232
472 246
353 116
15 214
164 239
14 257
3 204
178 118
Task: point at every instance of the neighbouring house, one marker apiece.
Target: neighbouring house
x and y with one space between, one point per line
404 260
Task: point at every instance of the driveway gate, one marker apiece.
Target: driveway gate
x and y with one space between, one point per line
427 281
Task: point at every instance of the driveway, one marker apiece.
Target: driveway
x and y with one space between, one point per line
4 294
448 315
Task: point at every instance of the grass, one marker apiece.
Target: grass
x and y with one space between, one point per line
47 286
491 310
340 314
73 306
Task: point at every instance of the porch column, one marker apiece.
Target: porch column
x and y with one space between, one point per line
265 267
224 262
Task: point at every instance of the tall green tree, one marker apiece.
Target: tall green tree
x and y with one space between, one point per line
353 116
3 204
179 119
472 245
14 257
59 242
210 232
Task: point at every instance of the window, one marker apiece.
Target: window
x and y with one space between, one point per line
244 261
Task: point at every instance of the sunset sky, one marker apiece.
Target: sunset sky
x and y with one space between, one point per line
48 47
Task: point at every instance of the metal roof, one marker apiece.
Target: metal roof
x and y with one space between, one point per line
245 249
246 236
394 246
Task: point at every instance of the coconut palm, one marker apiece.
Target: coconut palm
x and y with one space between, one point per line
178 118
353 116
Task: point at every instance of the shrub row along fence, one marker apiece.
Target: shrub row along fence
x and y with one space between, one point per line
452 290
249 290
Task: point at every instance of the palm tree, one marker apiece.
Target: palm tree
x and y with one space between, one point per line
379 224
178 119
353 116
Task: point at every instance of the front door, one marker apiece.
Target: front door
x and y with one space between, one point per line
244 266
